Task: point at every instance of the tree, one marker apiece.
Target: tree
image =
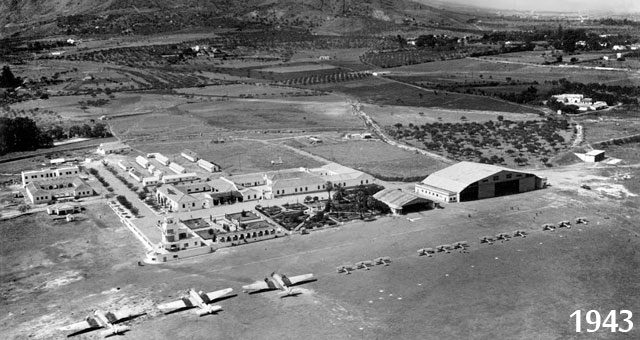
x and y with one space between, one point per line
7 79
329 187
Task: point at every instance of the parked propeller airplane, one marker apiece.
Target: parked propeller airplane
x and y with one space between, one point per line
196 299
99 320
278 282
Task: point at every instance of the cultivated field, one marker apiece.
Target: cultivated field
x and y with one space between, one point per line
388 115
375 90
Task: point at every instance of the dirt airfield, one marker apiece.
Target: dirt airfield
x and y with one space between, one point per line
525 288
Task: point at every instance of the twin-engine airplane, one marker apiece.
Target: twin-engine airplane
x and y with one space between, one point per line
279 282
99 320
199 300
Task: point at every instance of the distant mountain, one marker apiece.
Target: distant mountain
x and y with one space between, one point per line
50 17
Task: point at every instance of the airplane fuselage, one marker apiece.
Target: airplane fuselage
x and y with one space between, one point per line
195 296
279 282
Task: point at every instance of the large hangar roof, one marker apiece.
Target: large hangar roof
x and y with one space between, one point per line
459 176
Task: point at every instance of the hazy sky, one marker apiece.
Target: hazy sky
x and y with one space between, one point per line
620 6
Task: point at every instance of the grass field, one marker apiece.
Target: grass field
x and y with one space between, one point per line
387 115
380 91
235 90
298 68
471 70
325 113
377 158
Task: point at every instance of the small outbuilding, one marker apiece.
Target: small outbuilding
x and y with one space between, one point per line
594 156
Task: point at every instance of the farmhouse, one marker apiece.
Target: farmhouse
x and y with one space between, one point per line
209 166
113 147
401 202
189 155
466 181
40 192
569 98
49 174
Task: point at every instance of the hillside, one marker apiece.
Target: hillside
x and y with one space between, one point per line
86 17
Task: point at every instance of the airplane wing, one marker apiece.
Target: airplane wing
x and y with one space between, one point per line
294 280
212 296
118 316
87 324
259 286
175 305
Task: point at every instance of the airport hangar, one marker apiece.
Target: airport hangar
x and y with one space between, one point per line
468 181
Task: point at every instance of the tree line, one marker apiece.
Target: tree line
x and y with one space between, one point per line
22 134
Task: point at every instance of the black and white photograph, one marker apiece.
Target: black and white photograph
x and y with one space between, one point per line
319 169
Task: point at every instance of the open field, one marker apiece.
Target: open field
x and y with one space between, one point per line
243 90
377 158
236 156
298 68
387 115
596 130
486 292
375 90
470 70
326 113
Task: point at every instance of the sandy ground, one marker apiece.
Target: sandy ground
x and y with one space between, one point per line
524 288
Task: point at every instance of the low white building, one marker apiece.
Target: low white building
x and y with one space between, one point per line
177 168
209 166
113 147
189 155
142 161
188 177
164 160
148 181
592 156
49 174
124 165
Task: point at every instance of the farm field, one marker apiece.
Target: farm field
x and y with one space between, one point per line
377 158
380 91
596 131
470 70
484 292
243 90
298 68
387 115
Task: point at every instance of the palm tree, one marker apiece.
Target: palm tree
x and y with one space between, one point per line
328 186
